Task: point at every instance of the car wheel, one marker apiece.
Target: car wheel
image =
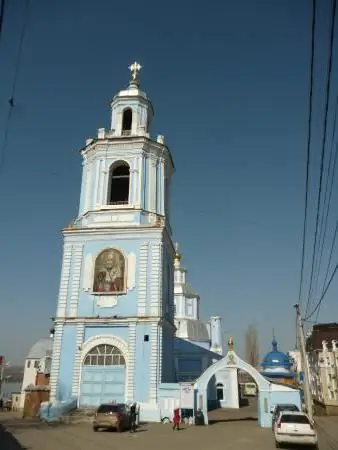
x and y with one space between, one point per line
95 428
165 420
278 445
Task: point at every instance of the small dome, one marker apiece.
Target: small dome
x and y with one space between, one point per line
41 349
276 359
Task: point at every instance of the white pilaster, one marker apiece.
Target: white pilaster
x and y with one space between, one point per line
77 360
102 181
97 183
150 184
76 278
154 359
64 282
142 289
163 194
131 360
138 181
87 188
156 280
54 372
153 186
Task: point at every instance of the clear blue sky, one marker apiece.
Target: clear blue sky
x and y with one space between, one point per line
229 82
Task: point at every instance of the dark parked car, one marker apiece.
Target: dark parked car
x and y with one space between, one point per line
112 415
282 407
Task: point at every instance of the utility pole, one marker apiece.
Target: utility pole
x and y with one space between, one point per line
307 388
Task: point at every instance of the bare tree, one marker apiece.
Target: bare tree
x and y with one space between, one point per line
251 346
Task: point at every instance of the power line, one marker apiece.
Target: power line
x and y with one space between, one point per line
14 85
313 29
328 266
331 175
328 90
2 15
318 305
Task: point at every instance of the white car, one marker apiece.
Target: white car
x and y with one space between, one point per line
295 428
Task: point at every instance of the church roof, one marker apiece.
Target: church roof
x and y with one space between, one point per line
42 348
189 291
276 359
193 330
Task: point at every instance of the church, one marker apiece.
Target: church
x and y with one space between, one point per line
127 325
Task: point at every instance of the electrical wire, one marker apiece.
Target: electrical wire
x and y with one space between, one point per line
327 195
308 152
2 15
318 305
319 198
14 85
328 266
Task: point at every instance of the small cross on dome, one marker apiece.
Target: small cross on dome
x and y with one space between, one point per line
134 69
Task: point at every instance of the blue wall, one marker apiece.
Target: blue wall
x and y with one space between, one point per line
68 349
117 330
142 360
168 363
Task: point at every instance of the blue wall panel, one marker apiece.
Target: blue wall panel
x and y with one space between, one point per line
67 356
142 360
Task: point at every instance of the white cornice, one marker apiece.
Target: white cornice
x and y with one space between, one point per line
133 144
130 232
123 321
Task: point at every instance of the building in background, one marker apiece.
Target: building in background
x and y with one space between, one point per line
37 364
322 354
296 359
187 313
278 366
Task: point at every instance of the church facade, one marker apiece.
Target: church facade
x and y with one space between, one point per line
114 330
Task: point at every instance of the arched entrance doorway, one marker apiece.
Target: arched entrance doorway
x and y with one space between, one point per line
103 372
269 393
230 364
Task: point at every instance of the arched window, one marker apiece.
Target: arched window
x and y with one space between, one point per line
104 355
127 120
219 391
109 273
119 184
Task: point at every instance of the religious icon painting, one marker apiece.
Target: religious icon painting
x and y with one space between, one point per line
109 274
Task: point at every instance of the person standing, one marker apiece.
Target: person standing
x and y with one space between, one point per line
132 418
176 419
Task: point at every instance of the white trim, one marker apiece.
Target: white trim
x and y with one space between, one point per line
132 356
143 280
77 257
97 181
56 360
109 340
89 181
138 182
77 361
65 279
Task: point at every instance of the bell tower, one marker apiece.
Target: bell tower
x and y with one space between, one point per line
116 289
126 177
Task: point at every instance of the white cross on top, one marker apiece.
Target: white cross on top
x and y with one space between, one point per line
135 68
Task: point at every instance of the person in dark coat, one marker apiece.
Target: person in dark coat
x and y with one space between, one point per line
132 418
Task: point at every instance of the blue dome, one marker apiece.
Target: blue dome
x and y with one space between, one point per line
276 359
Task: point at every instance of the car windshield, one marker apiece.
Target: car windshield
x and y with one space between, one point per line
287 408
294 418
107 408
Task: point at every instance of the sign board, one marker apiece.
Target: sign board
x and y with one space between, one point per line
187 396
